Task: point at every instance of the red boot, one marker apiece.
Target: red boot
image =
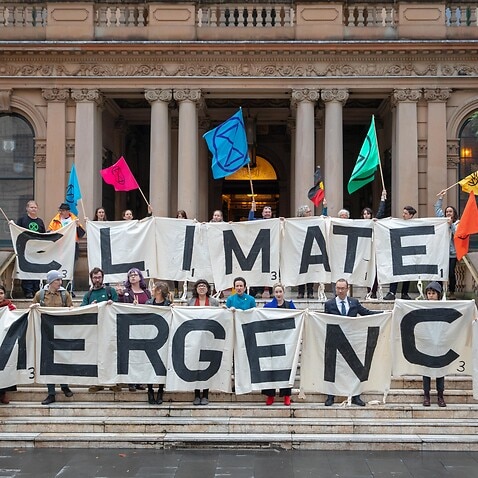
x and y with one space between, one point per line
287 400
270 400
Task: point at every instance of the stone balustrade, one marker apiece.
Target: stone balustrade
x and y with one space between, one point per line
95 20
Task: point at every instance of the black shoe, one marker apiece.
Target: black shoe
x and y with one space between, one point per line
140 387
151 399
159 400
73 294
406 297
66 390
389 296
300 296
310 296
330 401
358 401
48 400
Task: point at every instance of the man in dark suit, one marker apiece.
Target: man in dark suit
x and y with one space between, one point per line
344 305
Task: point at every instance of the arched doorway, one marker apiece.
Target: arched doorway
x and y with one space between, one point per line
237 194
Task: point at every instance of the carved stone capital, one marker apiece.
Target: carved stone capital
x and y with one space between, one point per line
437 94
56 94
453 149
406 95
305 95
70 149
187 95
158 95
88 95
335 95
40 153
5 97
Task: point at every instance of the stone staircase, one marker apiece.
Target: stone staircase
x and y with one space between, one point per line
124 419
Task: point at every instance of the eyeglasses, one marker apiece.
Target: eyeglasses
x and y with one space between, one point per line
202 285
133 274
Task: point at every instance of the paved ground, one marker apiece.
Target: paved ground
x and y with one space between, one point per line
79 463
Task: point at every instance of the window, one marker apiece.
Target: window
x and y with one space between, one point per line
16 169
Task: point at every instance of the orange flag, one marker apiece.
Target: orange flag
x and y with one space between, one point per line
468 225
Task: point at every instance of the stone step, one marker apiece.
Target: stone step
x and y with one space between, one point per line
367 442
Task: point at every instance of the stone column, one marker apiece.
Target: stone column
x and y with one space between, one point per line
55 173
437 145
333 148
88 151
405 161
304 144
291 129
204 214
188 184
160 164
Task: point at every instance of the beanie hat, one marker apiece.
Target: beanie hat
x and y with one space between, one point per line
53 275
65 206
434 286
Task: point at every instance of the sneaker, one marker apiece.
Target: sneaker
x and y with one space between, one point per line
48 400
204 401
389 296
269 400
197 401
66 390
406 297
287 400
95 388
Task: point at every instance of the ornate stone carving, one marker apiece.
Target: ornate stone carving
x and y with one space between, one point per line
158 95
436 94
187 95
88 95
56 94
40 153
5 96
70 149
335 95
305 95
406 94
422 147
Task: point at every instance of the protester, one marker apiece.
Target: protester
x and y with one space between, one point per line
53 295
433 291
350 307
100 214
32 222
452 217
62 219
161 297
202 297
6 303
278 302
408 213
344 214
217 216
240 300
367 213
135 292
100 293
127 215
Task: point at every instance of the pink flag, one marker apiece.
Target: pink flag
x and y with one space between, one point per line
120 176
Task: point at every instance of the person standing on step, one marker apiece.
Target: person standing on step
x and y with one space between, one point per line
278 302
202 298
433 291
408 213
342 304
100 293
32 222
53 295
163 298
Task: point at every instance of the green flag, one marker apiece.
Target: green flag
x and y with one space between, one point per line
367 161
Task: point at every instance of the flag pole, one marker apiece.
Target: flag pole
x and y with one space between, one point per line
82 207
144 197
470 268
449 187
381 174
4 215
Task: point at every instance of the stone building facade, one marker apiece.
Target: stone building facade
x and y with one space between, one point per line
89 81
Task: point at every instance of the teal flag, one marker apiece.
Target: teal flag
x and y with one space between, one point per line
228 145
367 161
73 193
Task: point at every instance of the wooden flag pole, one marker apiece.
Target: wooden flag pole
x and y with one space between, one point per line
147 203
381 175
252 187
83 208
4 215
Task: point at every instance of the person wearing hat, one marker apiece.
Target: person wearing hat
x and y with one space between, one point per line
433 291
62 219
53 295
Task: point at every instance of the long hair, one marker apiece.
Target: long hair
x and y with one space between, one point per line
366 209
182 213
96 214
195 288
454 218
142 283
163 287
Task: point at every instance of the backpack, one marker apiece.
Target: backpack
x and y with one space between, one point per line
109 295
42 297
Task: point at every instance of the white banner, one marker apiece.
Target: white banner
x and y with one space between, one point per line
38 253
200 349
346 355
412 249
352 256
432 338
117 246
135 341
304 251
66 344
17 360
249 249
475 359
266 353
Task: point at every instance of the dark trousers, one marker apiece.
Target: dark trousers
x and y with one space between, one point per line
440 384
310 288
451 274
405 287
283 392
51 388
30 286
